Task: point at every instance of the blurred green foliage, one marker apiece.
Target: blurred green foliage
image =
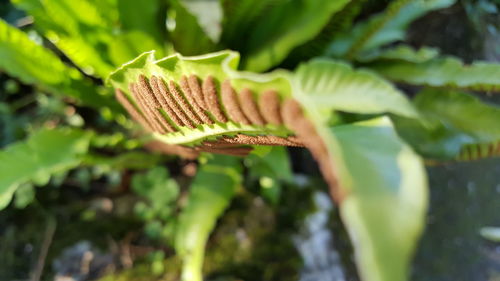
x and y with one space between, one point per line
61 127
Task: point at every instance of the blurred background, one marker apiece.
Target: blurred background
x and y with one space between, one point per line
99 223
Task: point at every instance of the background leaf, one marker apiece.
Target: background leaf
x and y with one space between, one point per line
293 23
400 52
187 36
148 17
452 121
211 192
384 28
21 57
443 72
44 153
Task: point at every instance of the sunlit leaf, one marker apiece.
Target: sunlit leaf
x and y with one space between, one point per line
385 195
386 201
129 45
33 64
491 233
78 28
23 58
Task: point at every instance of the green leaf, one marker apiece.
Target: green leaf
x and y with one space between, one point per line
24 195
334 86
284 27
491 233
338 23
209 195
384 28
44 153
386 201
431 139
380 185
271 167
454 125
157 187
77 27
145 16
129 45
210 22
462 111
187 36
270 189
239 18
21 57
133 160
399 53
443 72
385 195
271 162
326 85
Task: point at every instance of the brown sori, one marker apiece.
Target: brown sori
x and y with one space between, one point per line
190 104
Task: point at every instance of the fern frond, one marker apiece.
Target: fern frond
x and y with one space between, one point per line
208 116
239 17
479 151
339 22
382 29
375 26
399 53
205 111
443 72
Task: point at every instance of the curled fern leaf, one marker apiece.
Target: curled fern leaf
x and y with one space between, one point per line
206 110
